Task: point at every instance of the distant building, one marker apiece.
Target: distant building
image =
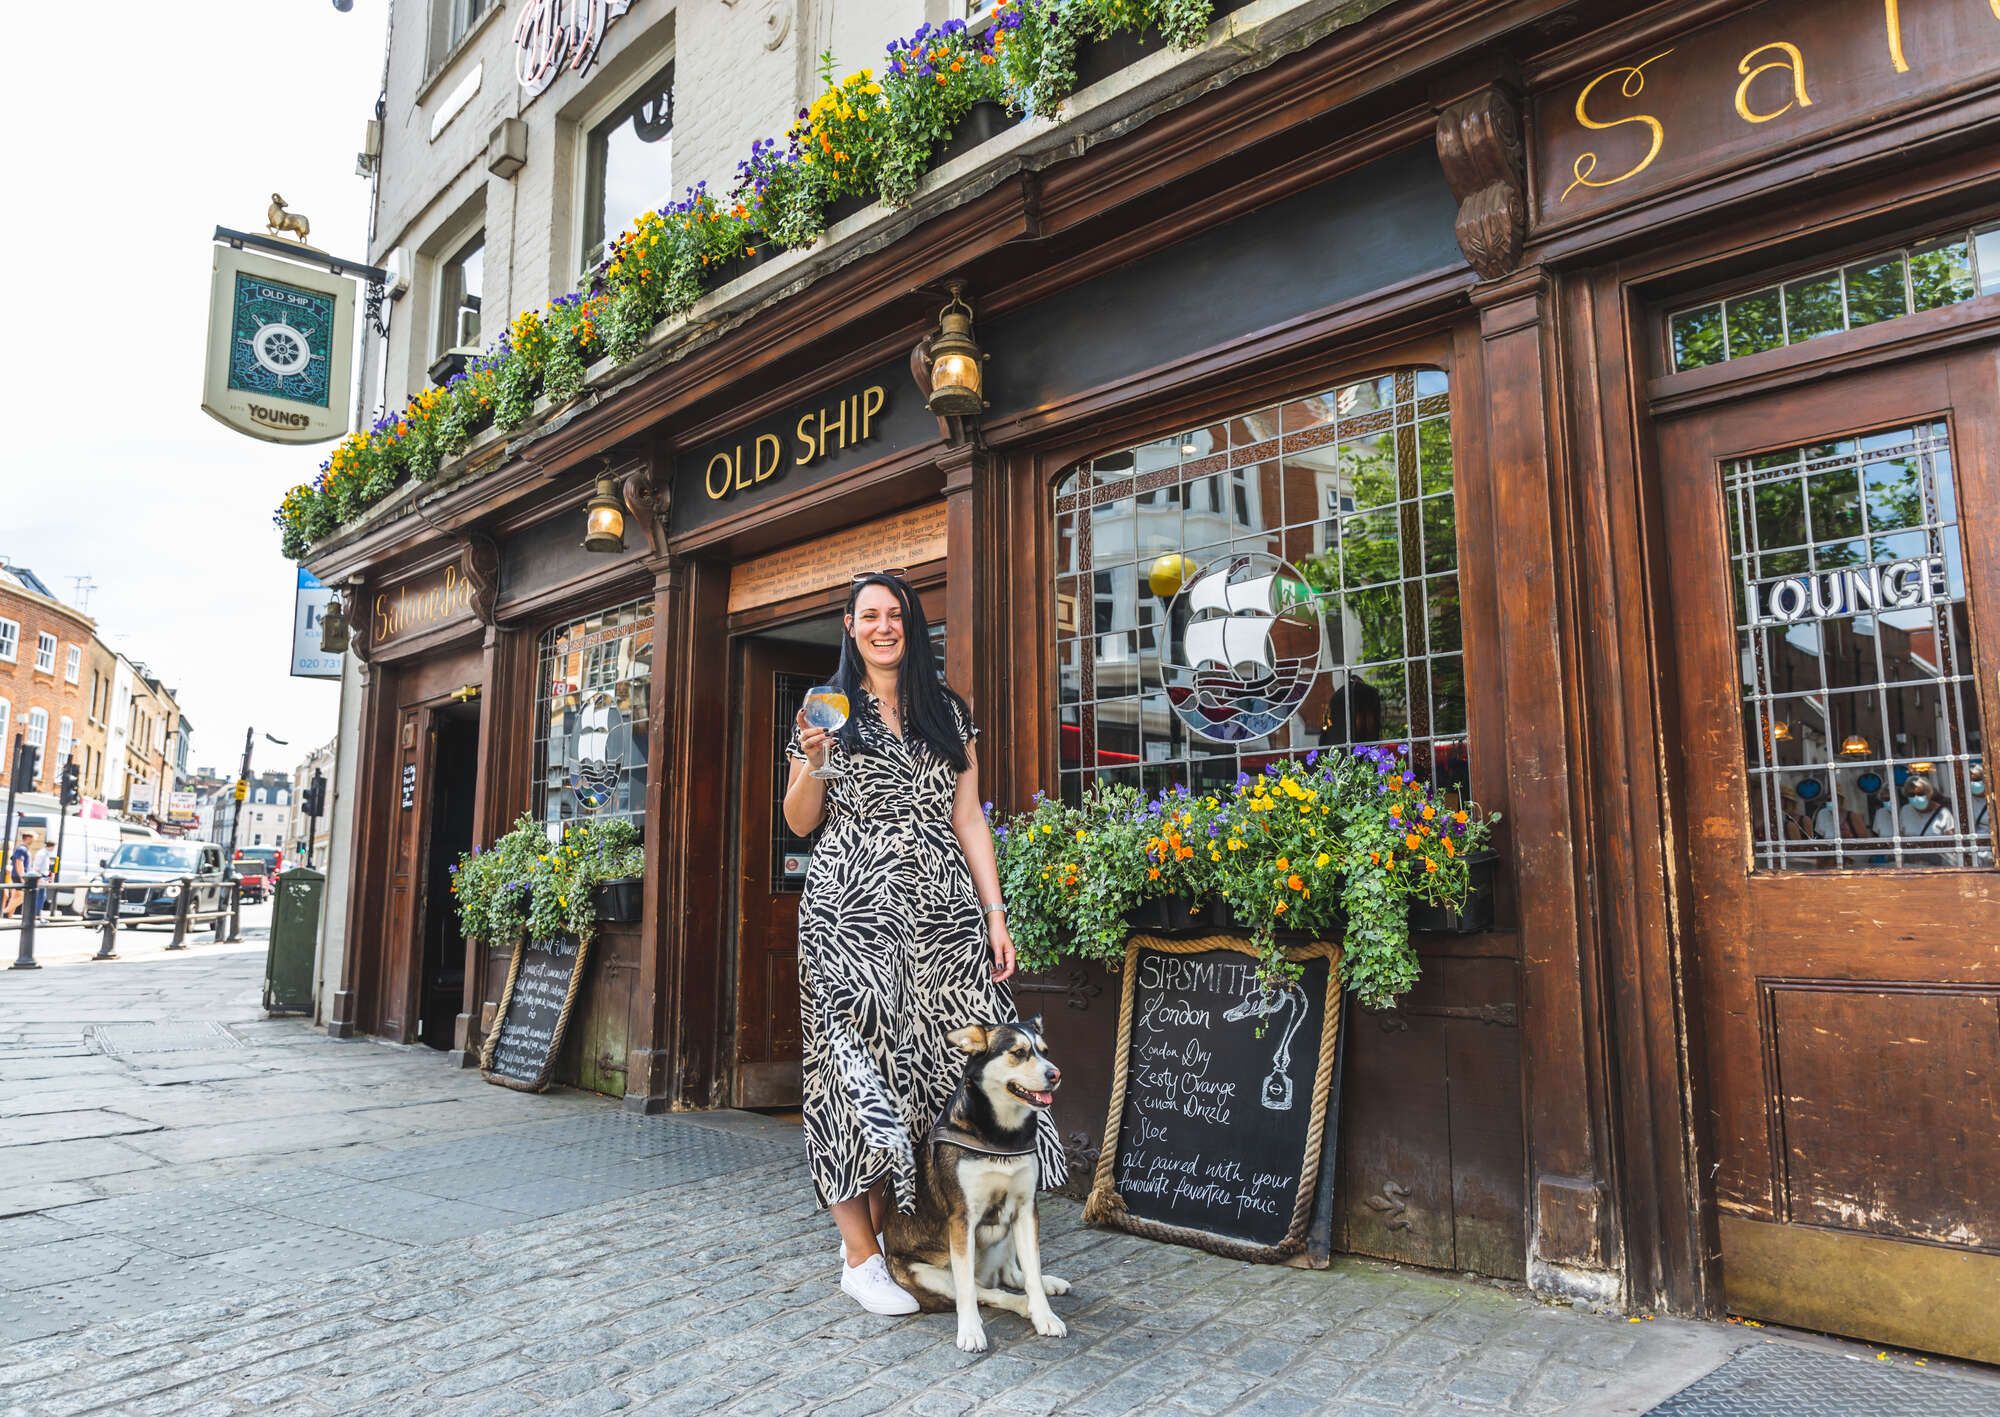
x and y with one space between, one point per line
320 759
45 694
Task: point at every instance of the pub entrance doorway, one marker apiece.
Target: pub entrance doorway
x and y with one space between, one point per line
776 670
454 766
1832 548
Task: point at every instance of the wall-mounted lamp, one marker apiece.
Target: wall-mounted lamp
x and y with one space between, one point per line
333 629
604 518
1855 746
1781 731
958 380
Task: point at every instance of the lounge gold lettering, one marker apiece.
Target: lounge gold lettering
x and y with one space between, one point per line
1633 83
1793 61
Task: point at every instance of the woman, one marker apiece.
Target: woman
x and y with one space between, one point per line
902 931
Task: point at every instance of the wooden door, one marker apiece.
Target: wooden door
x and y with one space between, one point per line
1834 563
770 873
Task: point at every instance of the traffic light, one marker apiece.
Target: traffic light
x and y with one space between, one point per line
27 764
72 779
315 801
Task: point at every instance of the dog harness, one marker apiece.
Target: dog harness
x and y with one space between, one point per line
945 1132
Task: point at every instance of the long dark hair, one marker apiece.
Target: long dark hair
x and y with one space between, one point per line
931 711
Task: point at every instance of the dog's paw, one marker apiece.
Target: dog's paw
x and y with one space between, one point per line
1048 1325
1052 1285
971 1338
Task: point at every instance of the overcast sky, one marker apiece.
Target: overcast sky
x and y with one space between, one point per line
135 129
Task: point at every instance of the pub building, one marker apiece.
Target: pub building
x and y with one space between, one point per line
1641 374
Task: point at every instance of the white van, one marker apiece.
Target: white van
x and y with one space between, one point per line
87 843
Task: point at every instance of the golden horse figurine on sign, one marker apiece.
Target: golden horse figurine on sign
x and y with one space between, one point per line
277 220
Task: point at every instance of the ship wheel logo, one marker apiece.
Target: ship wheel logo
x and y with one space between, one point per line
1246 646
281 349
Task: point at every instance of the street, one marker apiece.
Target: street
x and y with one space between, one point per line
207 1211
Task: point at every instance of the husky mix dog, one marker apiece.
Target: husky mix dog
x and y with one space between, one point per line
975 1236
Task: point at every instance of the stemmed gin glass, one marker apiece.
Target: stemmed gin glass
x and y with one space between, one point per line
826 709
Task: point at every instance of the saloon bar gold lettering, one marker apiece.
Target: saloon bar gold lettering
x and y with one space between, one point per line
818 433
402 610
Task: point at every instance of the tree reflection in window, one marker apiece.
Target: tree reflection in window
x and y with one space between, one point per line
1354 490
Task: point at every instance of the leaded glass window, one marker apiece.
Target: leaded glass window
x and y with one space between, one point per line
1276 582
1946 271
1861 718
594 717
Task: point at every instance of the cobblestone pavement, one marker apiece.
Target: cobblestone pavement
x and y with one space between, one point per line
282 1223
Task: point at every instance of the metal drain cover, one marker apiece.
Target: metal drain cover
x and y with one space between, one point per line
120 1040
1786 1380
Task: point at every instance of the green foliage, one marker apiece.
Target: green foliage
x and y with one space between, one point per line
931 82
1329 846
529 881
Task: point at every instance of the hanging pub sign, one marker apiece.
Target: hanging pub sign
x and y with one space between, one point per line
280 348
860 421
1760 81
1853 590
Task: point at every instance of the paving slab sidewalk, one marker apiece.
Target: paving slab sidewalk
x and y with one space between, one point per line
316 1226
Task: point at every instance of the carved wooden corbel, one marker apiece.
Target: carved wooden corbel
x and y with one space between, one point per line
358 624
479 559
1479 145
650 505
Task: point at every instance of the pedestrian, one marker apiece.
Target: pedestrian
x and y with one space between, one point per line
902 931
17 871
1925 815
44 867
1979 816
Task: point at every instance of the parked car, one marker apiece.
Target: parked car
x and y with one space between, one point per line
153 872
257 868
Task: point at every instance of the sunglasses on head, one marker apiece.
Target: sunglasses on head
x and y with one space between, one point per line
898 573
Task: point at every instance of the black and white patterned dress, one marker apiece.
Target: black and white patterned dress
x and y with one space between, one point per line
893 956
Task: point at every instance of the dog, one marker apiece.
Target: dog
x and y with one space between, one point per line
975 1235
277 220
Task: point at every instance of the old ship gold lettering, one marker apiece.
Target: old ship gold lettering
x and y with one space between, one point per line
817 433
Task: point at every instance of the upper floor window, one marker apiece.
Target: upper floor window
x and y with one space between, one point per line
10 640
6 713
628 165
258 795
73 669
1280 581
65 737
45 653
38 727
1887 286
460 279
451 21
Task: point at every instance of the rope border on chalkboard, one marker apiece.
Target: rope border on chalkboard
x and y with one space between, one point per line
541 1082
1106 1207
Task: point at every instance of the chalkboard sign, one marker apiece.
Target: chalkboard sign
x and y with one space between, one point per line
527 1033
1219 1085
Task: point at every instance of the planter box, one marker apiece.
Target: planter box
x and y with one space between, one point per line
983 122
1098 59
619 902
841 208
1475 916
1174 916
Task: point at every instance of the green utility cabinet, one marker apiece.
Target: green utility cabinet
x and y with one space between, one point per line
288 965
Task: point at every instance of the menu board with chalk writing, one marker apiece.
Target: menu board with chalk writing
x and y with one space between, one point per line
527 1032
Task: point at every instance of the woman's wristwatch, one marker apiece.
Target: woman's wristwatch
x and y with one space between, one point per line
993 907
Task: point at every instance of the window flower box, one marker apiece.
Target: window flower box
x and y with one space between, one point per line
619 902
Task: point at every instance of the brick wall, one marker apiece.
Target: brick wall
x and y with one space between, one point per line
26 688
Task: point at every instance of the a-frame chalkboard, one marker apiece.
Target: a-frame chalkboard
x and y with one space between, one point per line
1219 1095
542 981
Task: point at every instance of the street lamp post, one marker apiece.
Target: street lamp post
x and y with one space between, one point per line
242 795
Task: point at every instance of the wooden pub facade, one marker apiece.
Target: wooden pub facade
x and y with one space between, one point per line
1650 360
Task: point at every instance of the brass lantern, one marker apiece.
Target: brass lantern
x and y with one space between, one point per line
604 518
333 631
957 372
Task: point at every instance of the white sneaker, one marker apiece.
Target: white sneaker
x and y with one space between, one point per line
870 1286
880 1244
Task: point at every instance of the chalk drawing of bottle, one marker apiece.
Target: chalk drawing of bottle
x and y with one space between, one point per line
1262 1003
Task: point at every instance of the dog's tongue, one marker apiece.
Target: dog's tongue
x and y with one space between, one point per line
1040 1099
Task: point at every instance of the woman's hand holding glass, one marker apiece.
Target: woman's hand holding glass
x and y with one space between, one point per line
820 717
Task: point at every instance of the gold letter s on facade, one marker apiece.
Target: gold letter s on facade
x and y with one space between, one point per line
1633 85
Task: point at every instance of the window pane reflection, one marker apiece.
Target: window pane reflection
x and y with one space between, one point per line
594 716
1860 723
1325 532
